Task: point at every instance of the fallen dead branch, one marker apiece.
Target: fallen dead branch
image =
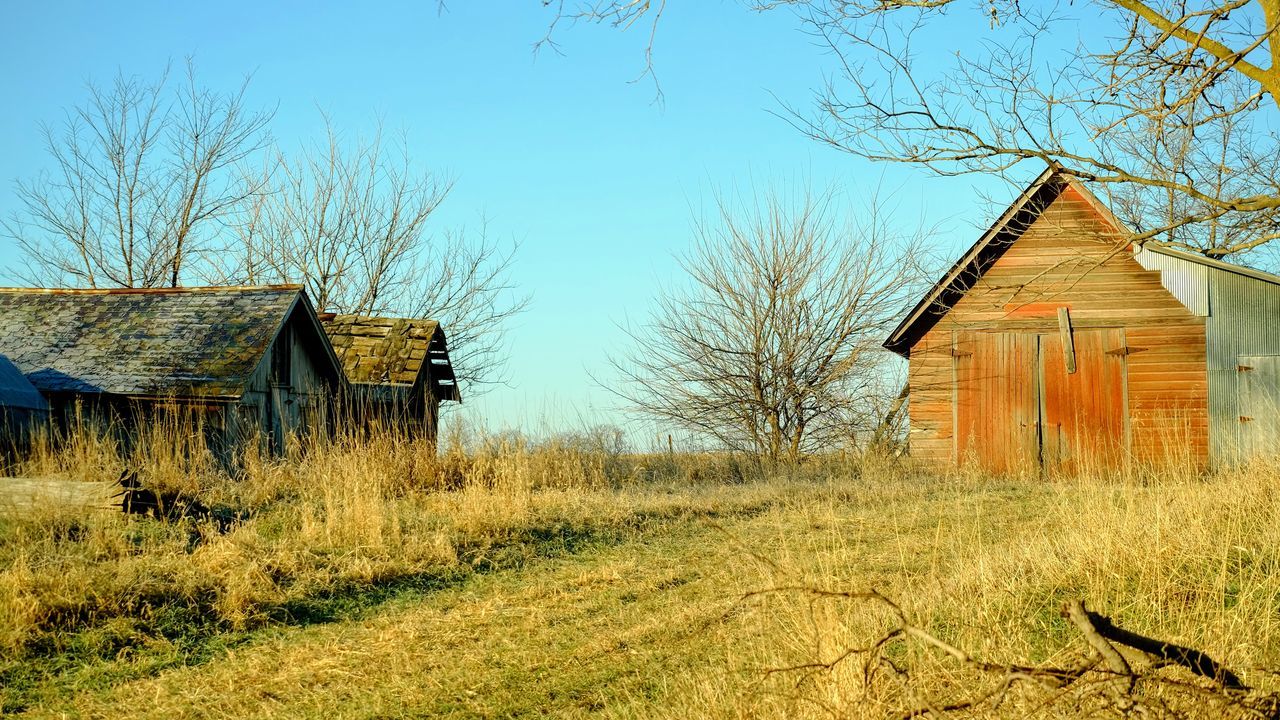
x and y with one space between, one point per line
1098 626
1103 679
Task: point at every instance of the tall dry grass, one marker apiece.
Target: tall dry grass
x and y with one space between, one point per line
984 563
353 513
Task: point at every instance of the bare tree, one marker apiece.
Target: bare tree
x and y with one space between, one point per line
463 279
352 221
773 346
1172 112
142 175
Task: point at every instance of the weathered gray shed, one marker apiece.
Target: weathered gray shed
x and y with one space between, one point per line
250 359
1241 307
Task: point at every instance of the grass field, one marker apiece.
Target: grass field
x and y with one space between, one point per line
377 581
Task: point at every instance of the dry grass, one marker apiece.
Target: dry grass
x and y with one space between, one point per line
315 535
987 567
511 579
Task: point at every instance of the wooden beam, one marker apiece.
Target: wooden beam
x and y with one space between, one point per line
1068 344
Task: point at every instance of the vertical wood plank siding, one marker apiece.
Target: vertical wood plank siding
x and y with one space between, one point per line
274 407
1083 412
990 382
1071 256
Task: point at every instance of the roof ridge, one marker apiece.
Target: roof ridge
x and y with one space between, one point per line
292 287
333 316
1055 180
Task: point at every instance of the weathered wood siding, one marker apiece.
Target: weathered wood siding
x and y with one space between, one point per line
410 411
930 412
991 372
1071 256
1083 413
284 397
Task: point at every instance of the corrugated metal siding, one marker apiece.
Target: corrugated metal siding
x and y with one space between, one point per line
1187 281
1245 321
1258 385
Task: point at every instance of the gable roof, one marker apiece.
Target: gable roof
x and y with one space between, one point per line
971 266
16 391
401 352
184 342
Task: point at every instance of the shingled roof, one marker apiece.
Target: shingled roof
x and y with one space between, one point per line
185 342
392 351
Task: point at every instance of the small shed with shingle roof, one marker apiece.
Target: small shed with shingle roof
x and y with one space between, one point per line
399 369
252 360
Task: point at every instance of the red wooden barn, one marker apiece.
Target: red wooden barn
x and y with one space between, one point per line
1055 343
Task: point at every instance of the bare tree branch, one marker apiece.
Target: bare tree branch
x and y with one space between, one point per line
352 221
1172 113
142 178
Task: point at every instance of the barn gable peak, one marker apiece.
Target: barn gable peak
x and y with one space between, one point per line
973 264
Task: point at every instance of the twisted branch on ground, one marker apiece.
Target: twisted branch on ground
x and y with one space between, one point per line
1103 674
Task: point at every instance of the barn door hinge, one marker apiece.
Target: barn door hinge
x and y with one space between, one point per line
1245 418
956 352
1126 350
1244 368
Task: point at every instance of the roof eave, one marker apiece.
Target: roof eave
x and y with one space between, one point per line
901 340
898 342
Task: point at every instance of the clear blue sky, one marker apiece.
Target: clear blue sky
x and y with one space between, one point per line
561 153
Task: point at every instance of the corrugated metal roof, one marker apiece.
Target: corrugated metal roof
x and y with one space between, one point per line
392 351
1189 282
1210 262
201 342
16 391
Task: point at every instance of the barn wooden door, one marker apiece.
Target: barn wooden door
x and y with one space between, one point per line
1018 408
994 400
1083 413
1258 395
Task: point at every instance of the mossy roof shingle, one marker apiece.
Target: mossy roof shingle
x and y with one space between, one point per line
200 342
391 351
